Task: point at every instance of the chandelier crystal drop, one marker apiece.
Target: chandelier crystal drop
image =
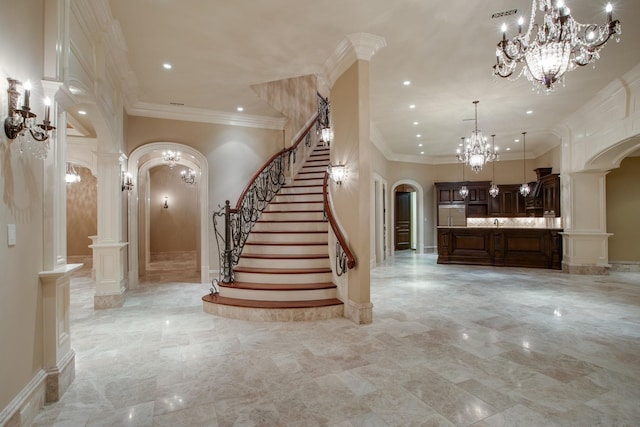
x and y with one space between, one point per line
171 157
476 151
553 46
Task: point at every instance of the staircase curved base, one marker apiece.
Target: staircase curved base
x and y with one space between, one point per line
272 311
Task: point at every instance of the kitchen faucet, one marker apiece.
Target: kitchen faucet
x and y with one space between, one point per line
496 222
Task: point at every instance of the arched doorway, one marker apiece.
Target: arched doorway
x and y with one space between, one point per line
407 216
141 161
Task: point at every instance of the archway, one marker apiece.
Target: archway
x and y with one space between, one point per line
140 162
417 212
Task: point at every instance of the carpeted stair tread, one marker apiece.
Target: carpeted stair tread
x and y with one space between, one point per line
285 256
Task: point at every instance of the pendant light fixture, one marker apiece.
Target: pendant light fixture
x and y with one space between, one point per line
494 190
475 151
524 188
464 191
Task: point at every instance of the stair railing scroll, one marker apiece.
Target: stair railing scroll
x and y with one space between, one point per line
344 257
232 225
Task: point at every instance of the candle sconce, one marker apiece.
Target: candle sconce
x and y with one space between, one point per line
165 203
21 122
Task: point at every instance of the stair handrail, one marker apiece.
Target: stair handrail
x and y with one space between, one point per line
256 196
288 150
345 259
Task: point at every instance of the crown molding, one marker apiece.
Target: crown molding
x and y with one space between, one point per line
352 48
201 115
378 140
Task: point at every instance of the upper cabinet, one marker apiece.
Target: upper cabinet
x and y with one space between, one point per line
476 202
544 199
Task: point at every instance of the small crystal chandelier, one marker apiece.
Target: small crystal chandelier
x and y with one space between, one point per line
476 151
324 125
71 176
464 191
524 188
494 190
188 176
554 46
171 157
21 122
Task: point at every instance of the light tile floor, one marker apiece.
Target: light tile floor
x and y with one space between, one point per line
449 345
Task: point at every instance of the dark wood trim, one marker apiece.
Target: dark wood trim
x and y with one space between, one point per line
351 259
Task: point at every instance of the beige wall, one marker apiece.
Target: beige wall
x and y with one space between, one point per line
21 184
623 211
172 229
352 147
82 213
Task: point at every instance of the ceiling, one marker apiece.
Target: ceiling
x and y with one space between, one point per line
219 48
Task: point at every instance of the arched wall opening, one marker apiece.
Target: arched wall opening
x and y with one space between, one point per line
141 161
416 213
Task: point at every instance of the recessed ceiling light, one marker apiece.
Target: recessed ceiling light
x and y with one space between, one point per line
460 145
240 108
508 149
82 112
530 112
406 82
167 66
416 123
422 152
516 140
418 136
412 106
419 145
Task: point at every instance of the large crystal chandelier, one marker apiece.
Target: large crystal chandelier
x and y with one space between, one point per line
554 46
476 151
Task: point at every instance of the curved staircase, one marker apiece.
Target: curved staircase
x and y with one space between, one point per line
284 272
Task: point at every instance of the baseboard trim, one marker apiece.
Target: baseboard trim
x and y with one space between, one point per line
23 409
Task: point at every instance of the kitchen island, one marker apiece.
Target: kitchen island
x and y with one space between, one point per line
501 246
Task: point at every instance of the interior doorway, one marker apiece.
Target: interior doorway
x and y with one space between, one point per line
407 216
402 227
141 161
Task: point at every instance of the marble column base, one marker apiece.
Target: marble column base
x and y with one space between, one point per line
59 378
595 270
359 313
104 301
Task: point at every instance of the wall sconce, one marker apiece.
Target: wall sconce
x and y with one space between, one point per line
21 122
72 176
127 181
188 176
338 173
166 202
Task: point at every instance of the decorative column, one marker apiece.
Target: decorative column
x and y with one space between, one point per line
585 240
59 358
109 250
351 147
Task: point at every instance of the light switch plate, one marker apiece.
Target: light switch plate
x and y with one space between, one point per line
11 234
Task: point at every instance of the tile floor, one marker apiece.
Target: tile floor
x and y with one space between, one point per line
449 346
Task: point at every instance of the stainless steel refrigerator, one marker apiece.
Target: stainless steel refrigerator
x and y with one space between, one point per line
452 216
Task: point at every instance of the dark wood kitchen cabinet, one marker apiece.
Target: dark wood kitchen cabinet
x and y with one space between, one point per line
508 203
